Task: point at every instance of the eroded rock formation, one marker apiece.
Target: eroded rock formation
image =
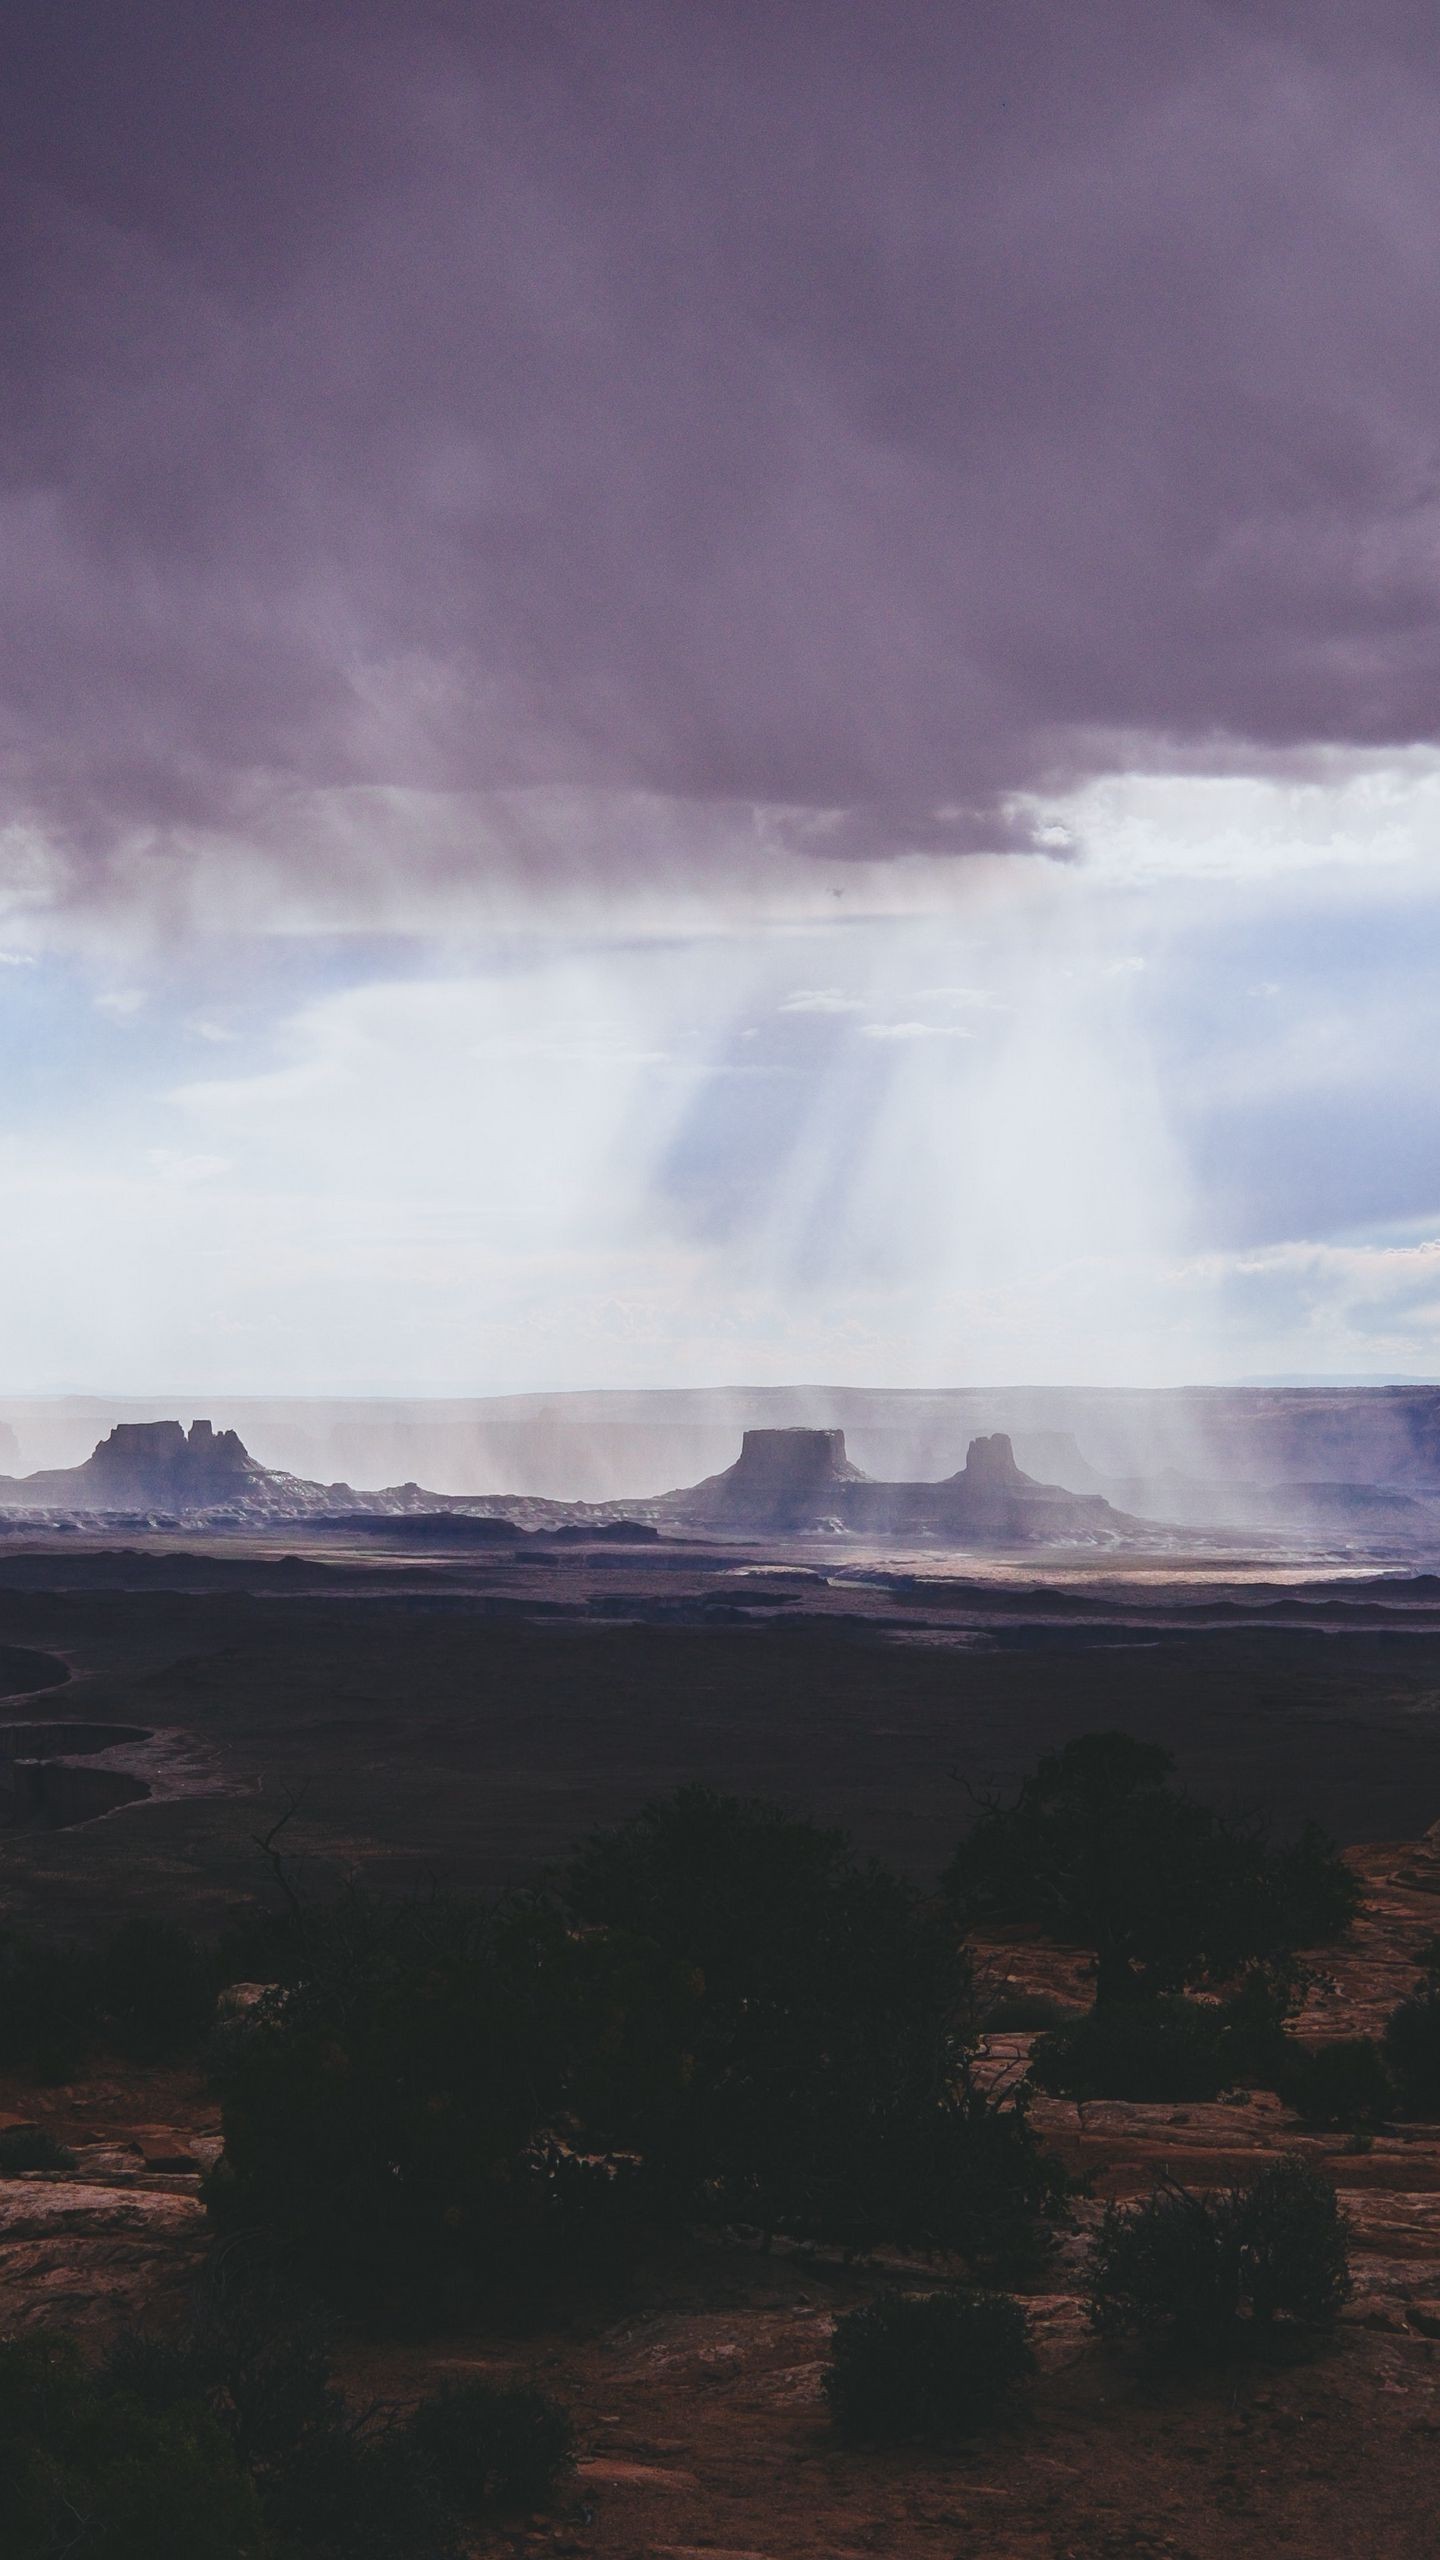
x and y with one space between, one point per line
149 1468
143 1465
781 1480
789 1480
802 1480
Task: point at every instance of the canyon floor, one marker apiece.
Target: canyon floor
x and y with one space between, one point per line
465 1718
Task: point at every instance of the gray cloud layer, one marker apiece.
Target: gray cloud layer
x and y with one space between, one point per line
876 406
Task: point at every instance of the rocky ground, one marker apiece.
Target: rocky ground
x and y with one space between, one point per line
701 2422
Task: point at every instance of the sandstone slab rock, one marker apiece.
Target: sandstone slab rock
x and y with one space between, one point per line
94 2257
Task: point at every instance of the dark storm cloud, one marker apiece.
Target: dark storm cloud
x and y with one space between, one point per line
874 406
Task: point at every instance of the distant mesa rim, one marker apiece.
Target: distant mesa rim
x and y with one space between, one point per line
1340 1475
798 1479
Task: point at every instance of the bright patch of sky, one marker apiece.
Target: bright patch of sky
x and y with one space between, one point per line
1165 1111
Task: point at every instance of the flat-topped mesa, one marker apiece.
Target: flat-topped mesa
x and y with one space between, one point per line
799 1480
781 1479
133 1445
792 1461
990 1466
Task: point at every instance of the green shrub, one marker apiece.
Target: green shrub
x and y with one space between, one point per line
26 2147
88 2472
1022 2013
959 2170
1344 2085
1170 2050
1256 2014
933 2365
828 2094
257 2350
491 2446
147 1987
1165 2050
1208 2271
458 2099
47 2005
1100 1849
1412 2049
155 1988
734 2019
256 2360
1295 2264
351 2494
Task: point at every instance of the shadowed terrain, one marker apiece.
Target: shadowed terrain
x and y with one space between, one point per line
467 1716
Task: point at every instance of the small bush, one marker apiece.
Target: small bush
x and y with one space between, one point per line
1101 1849
30 2147
1144 2050
155 1988
1343 2086
1314 1896
1293 2235
1206 2271
1170 2050
1256 2015
929 2365
1023 2013
1412 2049
492 2445
261 2352
347 2493
89 2472
826 2095
458 2100
330 2486
47 2006
734 2019
147 1987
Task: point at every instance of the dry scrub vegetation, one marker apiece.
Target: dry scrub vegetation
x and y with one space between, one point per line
716 2032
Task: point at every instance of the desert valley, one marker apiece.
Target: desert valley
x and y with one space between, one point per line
226 1685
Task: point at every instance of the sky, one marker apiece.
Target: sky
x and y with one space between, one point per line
741 691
